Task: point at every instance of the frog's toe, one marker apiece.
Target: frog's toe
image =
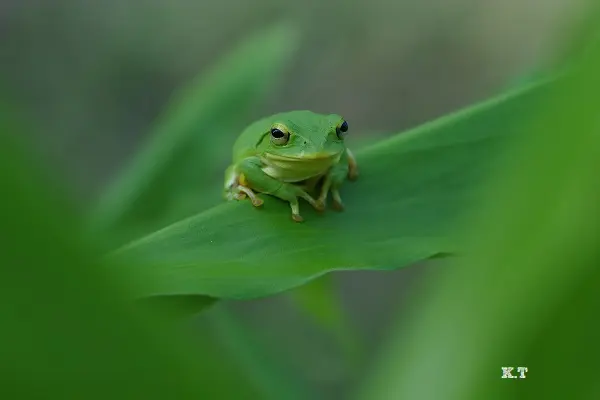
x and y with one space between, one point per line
352 175
320 205
257 202
337 205
296 210
297 217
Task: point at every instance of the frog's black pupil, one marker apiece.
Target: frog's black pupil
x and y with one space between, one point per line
344 127
276 133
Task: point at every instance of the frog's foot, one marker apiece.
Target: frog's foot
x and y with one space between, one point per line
337 203
296 207
315 203
320 205
296 211
256 201
337 206
352 174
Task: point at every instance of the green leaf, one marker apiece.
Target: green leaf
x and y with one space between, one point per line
176 173
526 293
69 329
412 190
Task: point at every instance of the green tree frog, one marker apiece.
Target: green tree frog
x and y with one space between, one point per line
292 155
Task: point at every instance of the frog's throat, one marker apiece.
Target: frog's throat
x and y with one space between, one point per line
296 169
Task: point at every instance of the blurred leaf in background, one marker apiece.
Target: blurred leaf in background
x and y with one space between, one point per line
69 329
320 300
179 171
262 361
525 294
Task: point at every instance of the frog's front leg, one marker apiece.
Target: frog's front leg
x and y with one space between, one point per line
332 182
335 178
352 166
237 189
252 175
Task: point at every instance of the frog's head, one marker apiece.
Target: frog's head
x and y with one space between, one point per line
304 135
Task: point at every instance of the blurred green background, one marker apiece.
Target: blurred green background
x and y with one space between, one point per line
99 73
94 76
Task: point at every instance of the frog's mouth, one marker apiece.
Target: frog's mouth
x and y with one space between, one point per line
306 157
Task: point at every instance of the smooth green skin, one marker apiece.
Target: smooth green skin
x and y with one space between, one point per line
311 155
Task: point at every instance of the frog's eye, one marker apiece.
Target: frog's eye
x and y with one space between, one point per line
279 136
342 129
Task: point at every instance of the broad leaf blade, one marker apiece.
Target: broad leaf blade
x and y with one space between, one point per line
412 190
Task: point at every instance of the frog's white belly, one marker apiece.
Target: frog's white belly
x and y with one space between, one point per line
296 170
